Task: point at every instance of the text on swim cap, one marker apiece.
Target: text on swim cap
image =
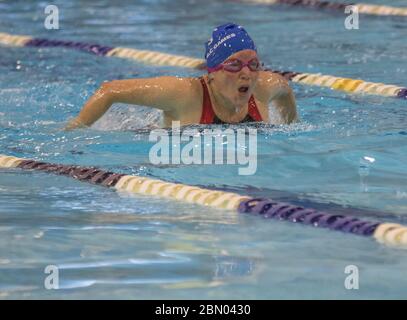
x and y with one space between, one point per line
217 44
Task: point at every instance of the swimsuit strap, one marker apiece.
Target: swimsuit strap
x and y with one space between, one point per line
207 111
208 115
253 110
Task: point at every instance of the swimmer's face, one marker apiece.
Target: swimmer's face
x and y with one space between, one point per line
238 86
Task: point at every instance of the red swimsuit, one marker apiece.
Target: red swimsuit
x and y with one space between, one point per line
209 117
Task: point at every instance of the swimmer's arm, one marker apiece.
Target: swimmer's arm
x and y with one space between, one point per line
285 103
279 93
164 93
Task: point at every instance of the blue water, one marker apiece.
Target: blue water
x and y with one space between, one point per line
110 245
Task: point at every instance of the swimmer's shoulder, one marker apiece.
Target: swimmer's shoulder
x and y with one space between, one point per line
269 85
192 89
188 93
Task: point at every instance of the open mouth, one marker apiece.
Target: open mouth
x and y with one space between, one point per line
243 89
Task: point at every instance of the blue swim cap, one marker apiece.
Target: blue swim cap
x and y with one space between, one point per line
226 40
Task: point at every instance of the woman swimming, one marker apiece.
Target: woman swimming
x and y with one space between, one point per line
235 90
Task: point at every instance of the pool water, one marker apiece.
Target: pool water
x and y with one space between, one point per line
348 154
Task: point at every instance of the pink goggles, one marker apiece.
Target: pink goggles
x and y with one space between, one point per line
235 65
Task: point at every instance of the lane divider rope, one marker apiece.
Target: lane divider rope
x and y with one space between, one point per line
369 9
386 233
157 58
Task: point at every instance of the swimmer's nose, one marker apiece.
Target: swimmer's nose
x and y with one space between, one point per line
245 73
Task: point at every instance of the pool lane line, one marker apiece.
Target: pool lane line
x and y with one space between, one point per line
387 233
365 8
157 58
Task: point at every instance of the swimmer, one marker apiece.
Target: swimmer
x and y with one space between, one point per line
235 89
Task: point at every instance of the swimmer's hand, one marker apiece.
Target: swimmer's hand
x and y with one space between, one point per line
74 124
